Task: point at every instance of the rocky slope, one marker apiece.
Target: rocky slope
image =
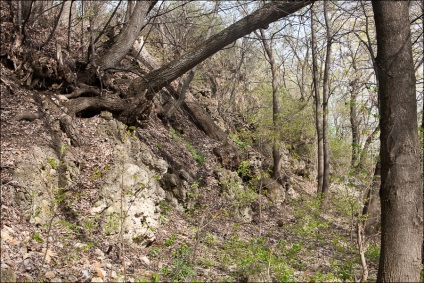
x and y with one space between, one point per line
89 199
132 203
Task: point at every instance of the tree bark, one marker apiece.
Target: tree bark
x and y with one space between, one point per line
126 38
318 112
66 14
370 211
276 155
261 18
158 78
195 111
354 123
325 97
190 76
401 187
140 103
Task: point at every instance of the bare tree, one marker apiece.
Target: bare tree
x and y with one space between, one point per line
143 89
318 107
325 97
276 155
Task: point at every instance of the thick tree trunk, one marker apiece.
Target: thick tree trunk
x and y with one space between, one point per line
401 187
126 38
159 78
139 105
261 18
318 112
325 97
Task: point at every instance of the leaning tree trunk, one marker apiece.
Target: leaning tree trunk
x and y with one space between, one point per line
157 79
261 18
127 37
401 187
142 90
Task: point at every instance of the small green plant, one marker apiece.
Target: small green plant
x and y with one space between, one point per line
156 278
88 246
52 162
170 241
238 142
68 225
164 207
255 257
244 168
206 262
154 252
112 224
181 268
343 270
36 236
373 253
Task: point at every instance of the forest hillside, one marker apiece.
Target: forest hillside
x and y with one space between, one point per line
223 141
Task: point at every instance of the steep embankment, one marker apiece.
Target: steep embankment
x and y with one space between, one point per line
87 198
87 212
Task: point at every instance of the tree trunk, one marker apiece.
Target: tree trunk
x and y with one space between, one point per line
139 104
190 77
64 18
401 187
276 155
195 111
325 97
370 211
318 112
130 10
182 94
126 38
261 18
422 176
157 79
354 123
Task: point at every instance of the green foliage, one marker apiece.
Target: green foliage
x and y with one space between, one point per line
164 207
373 253
170 241
340 149
71 227
255 257
37 237
181 268
244 168
52 162
238 142
323 277
112 224
343 269
154 252
294 123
